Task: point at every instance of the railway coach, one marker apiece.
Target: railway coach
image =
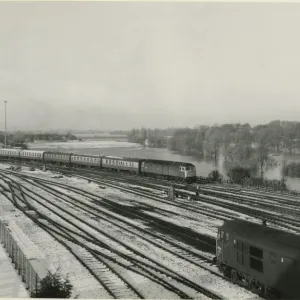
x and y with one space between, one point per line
57 158
121 164
32 155
90 161
168 169
10 153
262 259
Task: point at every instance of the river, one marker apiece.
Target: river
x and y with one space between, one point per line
120 148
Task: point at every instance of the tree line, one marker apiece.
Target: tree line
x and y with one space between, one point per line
240 144
20 138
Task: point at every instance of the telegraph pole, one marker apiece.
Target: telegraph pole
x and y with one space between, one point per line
5 124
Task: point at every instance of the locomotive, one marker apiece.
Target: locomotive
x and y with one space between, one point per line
262 259
180 171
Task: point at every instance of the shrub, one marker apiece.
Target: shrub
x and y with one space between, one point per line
53 286
238 174
215 176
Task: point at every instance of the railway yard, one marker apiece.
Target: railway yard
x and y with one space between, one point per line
121 236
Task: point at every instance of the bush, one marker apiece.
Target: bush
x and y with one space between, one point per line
238 174
215 176
53 286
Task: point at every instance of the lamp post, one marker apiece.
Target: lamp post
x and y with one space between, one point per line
5 124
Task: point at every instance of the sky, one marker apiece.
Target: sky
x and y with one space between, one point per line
118 65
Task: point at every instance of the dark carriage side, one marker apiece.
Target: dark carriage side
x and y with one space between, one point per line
263 259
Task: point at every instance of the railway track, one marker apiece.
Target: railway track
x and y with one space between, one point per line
281 221
234 204
128 212
151 264
255 197
256 213
92 263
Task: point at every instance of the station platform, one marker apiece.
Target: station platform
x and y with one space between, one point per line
11 285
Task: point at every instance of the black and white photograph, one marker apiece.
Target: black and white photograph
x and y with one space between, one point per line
150 150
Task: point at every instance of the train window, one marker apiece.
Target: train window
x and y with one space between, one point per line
256 264
272 257
256 252
222 235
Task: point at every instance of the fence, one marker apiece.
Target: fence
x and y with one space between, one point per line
31 269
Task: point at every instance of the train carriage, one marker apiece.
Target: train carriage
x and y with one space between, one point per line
168 169
32 155
9 153
85 160
263 259
57 157
121 164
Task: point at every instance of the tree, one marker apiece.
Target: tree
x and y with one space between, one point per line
275 134
215 176
238 174
214 136
262 153
53 286
199 142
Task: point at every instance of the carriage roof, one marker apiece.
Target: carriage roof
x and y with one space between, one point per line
122 158
84 155
56 152
167 162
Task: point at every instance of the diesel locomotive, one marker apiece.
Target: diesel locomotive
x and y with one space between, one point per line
180 171
262 259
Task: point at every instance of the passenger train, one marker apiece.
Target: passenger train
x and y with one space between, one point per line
180 171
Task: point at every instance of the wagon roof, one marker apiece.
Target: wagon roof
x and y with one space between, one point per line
31 151
168 162
122 158
84 155
264 236
55 152
10 149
